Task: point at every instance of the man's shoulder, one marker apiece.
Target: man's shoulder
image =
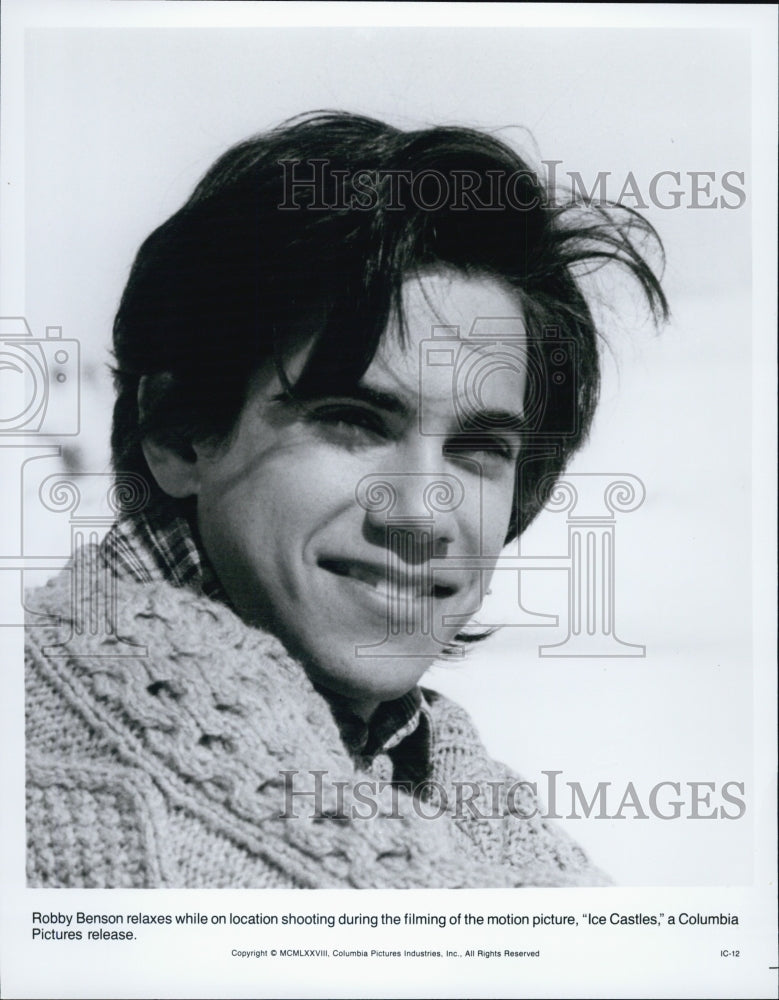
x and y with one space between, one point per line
127 650
90 603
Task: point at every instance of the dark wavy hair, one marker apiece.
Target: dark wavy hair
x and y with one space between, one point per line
314 226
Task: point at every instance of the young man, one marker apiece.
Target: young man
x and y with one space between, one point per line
348 371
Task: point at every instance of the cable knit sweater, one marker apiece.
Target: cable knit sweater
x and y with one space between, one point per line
163 765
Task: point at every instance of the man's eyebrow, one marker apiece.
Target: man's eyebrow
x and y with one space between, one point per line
378 398
470 421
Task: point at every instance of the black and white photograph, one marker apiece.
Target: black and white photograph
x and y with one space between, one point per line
387 434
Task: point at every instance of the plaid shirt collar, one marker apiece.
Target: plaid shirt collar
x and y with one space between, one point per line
164 549
399 730
167 548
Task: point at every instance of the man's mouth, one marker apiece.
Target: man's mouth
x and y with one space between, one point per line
385 580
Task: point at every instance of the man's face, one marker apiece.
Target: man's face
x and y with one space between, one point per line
322 520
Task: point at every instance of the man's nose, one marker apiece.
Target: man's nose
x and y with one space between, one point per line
422 505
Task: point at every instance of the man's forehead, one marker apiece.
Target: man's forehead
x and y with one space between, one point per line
447 303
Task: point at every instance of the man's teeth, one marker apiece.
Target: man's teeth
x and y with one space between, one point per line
389 588
365 575
384 583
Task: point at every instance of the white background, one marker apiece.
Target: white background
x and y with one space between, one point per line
119 122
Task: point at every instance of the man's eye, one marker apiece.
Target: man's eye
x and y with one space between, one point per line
493 446
347 421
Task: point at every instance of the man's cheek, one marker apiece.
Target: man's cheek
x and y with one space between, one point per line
486 523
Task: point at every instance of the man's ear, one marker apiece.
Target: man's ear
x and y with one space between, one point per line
176 470
176 474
